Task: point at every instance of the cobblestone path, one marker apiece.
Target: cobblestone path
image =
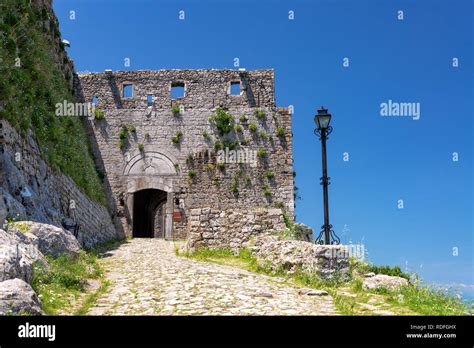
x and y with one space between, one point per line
147 278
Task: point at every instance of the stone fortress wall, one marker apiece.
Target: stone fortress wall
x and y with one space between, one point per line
188 170
31 190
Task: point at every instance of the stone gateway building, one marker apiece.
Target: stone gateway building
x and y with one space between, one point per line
203 155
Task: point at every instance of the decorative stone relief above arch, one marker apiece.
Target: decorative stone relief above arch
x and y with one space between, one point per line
150 163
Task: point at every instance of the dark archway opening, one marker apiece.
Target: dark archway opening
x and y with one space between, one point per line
148 213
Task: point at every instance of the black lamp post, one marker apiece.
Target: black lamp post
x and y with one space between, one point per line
323 129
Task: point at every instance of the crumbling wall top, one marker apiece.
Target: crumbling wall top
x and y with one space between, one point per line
200 88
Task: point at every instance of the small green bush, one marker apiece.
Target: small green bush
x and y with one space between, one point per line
252 127
266 191
262 134
244 142
123 134
99 114
223 121
206 135
177 137
192 173
141 147
122 144
269 175
280 131
218 145
220 165
129 127
243 119
262 153
238 128
176 110
260 114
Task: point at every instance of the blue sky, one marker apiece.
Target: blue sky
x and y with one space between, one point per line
390 158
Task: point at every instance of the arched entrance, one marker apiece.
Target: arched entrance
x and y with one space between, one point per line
149 178
148 213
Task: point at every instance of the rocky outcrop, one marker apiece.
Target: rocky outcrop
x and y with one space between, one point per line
374 281
52 240
17 297
325 261
31 190
17 256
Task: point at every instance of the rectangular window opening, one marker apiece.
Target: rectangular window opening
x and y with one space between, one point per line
127 90
234 88
177 90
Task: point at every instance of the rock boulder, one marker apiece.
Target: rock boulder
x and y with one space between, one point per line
17 256
53 240
18 298
378 281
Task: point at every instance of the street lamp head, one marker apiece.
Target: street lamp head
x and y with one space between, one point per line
322 118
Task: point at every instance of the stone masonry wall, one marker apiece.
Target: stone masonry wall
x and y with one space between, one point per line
232 228
31 190
197 180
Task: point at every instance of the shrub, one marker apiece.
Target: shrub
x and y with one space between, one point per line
218 145
223 121
141 147
129 127
177 137
123 134
243 119
269 175
176 110
192 173
238 128
244 142
206 135
260 114
262 153
252 127
122 144
280 131
208 167
220 165
147 136
99 114
231 145
266 191
263 134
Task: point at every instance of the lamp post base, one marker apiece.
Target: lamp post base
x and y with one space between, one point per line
327 236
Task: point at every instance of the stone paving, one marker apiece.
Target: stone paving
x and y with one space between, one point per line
148 278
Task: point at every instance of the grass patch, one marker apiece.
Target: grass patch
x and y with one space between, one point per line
32 90
426 300
348 294
65 279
